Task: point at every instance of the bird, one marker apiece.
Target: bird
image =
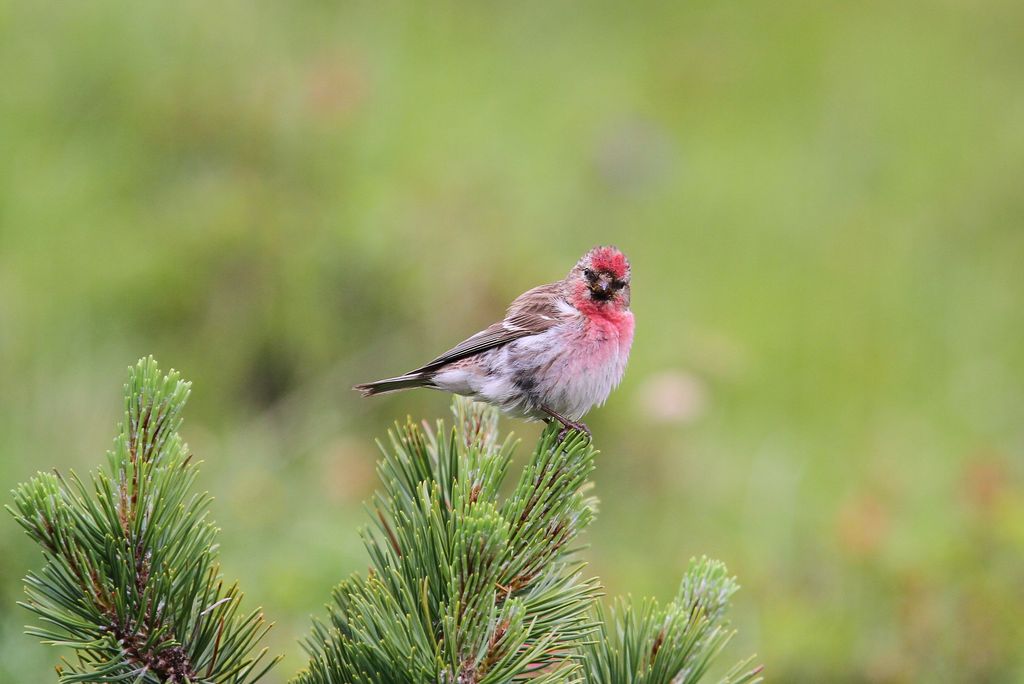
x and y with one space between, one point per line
559 351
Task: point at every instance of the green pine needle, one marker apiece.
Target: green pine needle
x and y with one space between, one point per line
131 582
469 587
676 644
466 586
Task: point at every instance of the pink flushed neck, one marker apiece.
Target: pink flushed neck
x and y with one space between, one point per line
607 315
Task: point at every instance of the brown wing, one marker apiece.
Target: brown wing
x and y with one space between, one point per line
531 313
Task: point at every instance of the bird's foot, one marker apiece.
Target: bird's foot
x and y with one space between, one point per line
569 425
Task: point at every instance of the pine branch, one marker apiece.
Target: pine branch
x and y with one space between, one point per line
671 645
468 588
465 587
130 580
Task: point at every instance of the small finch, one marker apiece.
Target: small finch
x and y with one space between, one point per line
559 351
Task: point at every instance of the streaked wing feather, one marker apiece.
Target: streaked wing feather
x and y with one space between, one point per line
531 313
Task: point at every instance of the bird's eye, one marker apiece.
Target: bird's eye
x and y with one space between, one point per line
618 284
590 275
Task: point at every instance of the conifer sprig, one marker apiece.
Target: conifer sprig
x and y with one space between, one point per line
648 644
130 581
465 586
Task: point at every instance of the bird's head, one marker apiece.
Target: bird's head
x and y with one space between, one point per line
601 277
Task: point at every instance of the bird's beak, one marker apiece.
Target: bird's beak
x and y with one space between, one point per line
602 287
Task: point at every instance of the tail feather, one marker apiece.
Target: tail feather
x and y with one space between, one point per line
399 383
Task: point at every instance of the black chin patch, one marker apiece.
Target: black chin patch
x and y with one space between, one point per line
601 295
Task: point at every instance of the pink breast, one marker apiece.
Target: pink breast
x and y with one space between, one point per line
607 336
607 332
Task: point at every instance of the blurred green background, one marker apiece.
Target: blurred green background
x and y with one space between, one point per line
824 210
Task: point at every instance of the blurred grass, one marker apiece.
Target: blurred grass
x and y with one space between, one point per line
823 208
